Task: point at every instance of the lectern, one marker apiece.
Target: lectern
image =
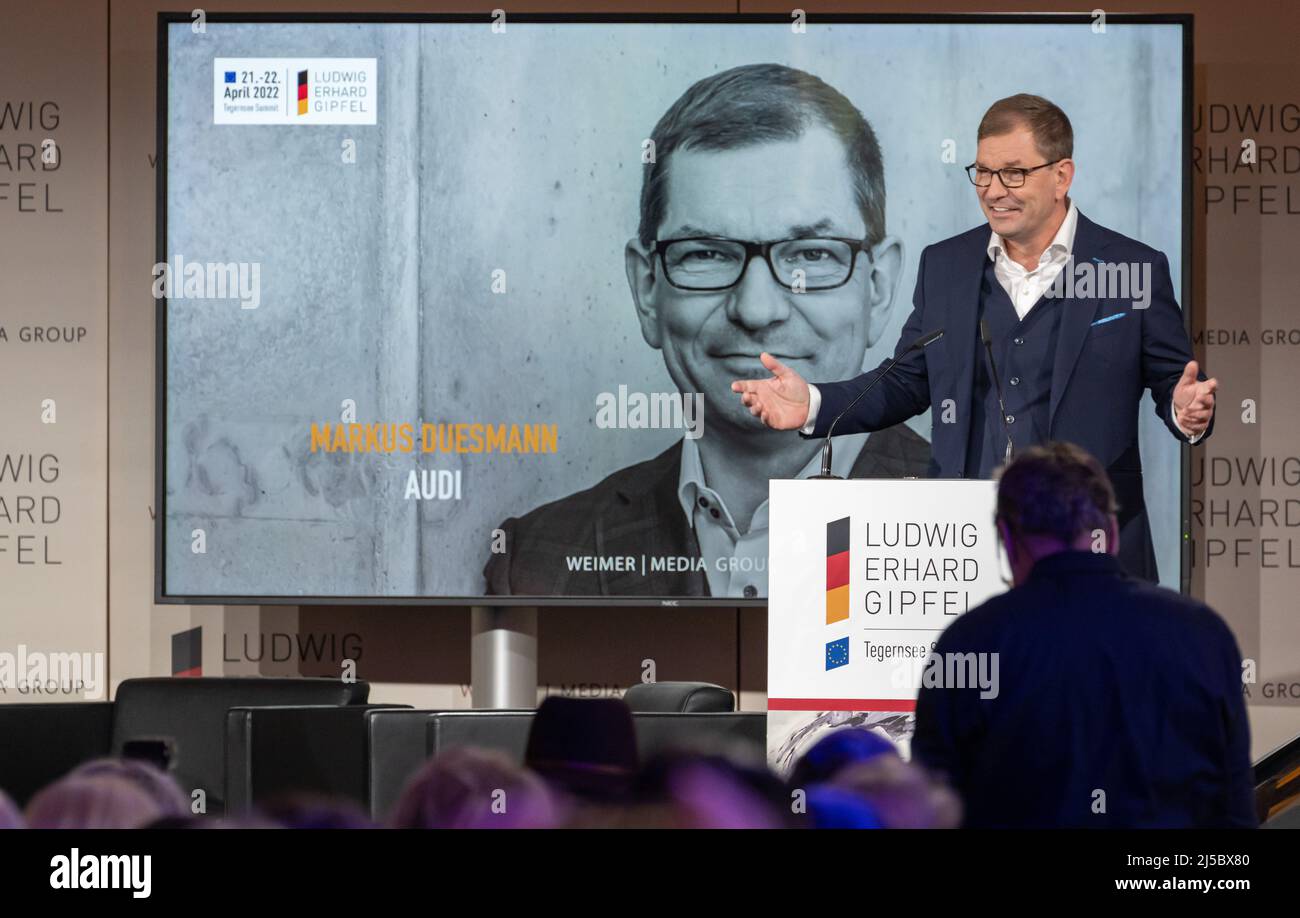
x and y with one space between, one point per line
863 576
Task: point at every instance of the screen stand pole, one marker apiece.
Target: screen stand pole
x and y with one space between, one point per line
503 656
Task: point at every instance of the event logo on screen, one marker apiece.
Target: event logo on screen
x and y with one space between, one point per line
273 90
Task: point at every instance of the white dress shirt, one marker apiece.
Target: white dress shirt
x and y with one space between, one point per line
736 562
1023 287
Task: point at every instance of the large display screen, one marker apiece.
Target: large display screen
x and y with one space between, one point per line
415 339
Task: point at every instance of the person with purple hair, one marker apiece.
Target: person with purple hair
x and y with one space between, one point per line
99 801
107 793
466 788
159 785
10 816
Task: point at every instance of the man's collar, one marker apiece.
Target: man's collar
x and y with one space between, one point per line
691 478
1073 561
1063 240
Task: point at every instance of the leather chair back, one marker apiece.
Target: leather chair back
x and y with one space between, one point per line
679 697
188 715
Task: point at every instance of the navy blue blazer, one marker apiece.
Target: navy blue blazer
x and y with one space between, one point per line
1102 365
1104 683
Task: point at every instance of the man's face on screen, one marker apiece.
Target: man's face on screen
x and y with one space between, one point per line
761 193
1020 213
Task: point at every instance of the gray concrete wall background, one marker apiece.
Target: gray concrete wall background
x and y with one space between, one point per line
338 250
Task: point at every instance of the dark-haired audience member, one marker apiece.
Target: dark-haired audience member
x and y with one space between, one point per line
584 747
1113 703
466 788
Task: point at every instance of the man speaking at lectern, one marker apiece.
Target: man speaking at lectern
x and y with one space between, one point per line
1052 327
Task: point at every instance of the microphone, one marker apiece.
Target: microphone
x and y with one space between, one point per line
919 344
997 386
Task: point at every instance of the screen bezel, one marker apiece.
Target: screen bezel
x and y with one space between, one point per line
167 19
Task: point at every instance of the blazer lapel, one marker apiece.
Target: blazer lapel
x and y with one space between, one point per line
1076 314
645 520
961 339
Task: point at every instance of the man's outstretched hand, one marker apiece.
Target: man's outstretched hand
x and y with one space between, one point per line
780 401
1193 400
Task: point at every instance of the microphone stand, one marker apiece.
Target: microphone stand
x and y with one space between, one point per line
919 344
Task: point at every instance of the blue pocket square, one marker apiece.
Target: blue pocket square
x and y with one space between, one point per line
1111 318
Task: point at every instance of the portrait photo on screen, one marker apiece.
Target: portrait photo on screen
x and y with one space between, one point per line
453 312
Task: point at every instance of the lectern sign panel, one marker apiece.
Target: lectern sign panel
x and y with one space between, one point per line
863 576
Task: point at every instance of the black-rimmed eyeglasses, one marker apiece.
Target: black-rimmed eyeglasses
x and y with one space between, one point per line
804 264
1012 177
